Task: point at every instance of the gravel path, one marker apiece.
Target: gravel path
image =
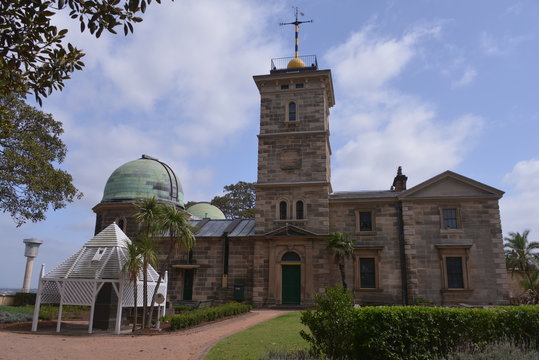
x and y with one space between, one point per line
192 344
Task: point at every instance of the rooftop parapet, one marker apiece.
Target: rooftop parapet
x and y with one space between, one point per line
294 64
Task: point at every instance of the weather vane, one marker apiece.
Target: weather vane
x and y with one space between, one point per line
296 23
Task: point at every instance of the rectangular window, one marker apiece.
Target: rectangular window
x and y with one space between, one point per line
284 87
455 275
367 274
365 221
449 218
299 86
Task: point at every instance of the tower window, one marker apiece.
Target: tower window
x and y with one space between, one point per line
299 210
282 210
292 111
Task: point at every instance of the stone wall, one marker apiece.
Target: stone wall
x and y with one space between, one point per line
316 207
383 243
208 254
107 213
478 237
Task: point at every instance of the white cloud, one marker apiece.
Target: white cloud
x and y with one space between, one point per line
467 77
500 46
366 61
519 207
176 89
391 128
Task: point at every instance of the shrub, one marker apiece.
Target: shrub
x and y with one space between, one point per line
418 333
195 317
10 314
412 332
178 309
289 355
23 299
502 351
332 324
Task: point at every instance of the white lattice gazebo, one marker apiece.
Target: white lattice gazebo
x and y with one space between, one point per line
95 272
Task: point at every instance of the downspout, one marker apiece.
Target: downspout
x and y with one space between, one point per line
402 251
226 244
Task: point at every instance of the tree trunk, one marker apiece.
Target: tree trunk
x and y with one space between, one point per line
135 294
156 289
150 312
343 276
144 292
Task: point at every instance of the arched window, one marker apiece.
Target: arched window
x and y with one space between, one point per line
290 257
299 210
292 111
282 210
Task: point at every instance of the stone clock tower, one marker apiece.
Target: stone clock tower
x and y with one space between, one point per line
293 146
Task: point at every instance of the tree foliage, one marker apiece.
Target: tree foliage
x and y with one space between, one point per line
342 247
132 267
30 145
158 220
34 55
523 255
238 201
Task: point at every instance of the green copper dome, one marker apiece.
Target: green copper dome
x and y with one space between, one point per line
206 210
144 178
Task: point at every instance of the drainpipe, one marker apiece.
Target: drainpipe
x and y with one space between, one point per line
226 244
402 251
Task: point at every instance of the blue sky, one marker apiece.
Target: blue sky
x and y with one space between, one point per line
428 85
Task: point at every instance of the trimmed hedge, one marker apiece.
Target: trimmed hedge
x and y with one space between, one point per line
198 316
412 332
418 333
23 299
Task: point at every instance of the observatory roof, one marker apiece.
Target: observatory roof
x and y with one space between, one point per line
206 210
144 178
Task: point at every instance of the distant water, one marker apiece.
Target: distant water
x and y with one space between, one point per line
11 291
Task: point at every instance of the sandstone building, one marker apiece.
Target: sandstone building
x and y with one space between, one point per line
440 240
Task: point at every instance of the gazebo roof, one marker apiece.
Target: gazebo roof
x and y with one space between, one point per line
102 257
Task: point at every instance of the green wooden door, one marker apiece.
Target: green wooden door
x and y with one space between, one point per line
291 284
188 284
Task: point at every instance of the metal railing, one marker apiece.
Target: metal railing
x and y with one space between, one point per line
279 65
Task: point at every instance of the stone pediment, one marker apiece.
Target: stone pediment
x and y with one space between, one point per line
451 185
289 230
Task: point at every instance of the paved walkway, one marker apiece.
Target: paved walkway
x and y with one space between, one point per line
192 344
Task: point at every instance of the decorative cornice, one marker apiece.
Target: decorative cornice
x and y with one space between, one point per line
294 133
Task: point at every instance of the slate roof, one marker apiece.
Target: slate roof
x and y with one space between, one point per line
218 228
368 194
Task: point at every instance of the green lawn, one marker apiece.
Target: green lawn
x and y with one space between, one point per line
279 333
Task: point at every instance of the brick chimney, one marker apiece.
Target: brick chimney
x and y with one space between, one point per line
399 183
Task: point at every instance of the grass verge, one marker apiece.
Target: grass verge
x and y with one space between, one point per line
279 333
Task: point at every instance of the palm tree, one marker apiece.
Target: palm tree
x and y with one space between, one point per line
146 247
341 245
521 255
132 266
174 223
147 215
